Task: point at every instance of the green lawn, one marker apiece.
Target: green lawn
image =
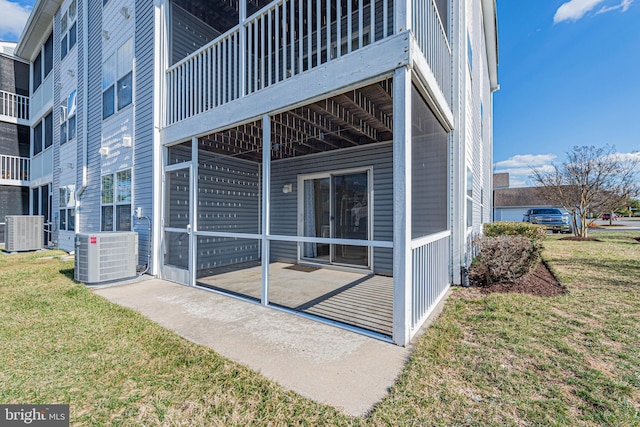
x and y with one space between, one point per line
501 359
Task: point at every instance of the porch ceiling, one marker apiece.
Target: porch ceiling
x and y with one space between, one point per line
357 117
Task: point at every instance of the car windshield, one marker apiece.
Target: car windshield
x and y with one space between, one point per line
546 212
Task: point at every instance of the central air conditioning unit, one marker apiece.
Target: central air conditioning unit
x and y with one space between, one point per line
24 233
105 257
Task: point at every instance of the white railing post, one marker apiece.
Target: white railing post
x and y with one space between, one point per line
242 48
13 168
14 105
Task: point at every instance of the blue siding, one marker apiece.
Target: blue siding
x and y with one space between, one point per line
90 206
143 190
285 206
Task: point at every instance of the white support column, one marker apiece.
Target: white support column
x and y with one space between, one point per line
159 118
402 260
457 204
193 213
266 202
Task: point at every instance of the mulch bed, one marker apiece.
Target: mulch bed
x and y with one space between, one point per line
540 282
581 239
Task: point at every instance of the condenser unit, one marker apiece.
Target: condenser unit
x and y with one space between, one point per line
105 257
23 233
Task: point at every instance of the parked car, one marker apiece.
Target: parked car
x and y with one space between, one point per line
607 216
551 218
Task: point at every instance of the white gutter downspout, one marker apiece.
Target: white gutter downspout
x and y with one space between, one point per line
85 108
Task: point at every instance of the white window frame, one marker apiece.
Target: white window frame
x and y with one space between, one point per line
68 110
122 69
115 202
67 207
67 24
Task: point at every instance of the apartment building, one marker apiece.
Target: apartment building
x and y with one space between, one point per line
14 135
330 158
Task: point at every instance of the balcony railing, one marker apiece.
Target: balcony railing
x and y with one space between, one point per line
14 168
431 36
14 105
430 262
289 37
284 39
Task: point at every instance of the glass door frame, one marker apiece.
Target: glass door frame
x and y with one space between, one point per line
332 246
170 272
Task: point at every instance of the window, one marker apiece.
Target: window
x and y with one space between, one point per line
67 208
116 201
68 30
48 55
37 138
117 80
43 64
68 118
37 72
43 134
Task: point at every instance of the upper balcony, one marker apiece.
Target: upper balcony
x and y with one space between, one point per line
280 40
14 170
14 108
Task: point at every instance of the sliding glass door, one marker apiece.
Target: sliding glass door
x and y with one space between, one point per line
336 206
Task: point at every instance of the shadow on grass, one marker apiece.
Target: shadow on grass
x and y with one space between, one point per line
67 272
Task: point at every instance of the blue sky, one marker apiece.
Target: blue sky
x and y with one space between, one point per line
13 16
569 72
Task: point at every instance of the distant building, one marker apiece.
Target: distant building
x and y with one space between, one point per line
510 204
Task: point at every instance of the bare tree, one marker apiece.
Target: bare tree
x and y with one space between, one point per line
592 180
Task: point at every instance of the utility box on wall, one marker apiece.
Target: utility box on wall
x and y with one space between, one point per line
24 233
105 257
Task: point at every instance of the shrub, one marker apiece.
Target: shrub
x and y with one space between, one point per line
534 232
504 259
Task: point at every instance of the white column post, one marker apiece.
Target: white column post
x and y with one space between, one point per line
457 204
161 30
402 259
193 212
266 204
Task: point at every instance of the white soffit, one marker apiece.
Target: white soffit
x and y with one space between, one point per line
37 28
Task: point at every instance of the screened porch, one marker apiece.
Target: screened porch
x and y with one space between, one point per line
309 225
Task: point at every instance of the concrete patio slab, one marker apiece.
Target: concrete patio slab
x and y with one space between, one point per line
346 370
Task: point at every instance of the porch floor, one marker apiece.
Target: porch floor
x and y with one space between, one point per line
361 300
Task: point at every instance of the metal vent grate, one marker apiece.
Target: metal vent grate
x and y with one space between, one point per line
105 257
23 233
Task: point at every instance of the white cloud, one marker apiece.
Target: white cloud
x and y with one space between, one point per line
574 10
12 18
526 160
622 6
520 168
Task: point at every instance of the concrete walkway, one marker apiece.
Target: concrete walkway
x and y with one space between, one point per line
343 369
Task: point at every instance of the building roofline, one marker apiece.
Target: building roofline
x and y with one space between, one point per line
37 25
490 15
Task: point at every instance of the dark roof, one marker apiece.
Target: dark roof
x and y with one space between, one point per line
525 196
501 180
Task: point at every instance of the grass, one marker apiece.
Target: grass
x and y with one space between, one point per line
500 359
